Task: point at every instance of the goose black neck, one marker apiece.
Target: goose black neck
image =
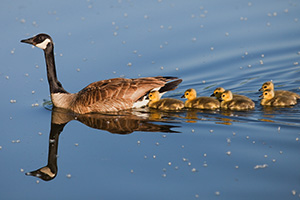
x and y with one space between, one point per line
54 84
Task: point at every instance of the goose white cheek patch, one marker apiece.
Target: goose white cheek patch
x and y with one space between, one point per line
44 44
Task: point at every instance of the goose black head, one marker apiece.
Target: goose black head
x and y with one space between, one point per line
41 41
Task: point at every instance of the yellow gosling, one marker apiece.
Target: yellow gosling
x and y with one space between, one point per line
270 86
193 101
163 104
231 103
218 92
270 99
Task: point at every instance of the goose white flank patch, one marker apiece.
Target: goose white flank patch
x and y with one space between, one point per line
110 95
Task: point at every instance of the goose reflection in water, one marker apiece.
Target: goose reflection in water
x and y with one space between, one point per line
123 123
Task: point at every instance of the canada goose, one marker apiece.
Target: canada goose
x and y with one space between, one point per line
163 104
103 96
193 101
270 99
231 103
218 92
270 86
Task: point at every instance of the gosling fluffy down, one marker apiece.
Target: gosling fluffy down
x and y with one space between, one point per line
218 92
231 103
270 99
163 104
193 101
270 86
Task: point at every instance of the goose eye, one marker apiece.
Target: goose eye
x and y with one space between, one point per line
266 93
223 95
216 92
265 86
150 95
187 93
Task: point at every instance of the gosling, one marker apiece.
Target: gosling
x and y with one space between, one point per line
270 86
218 92
193 101
231 103
270 99
163 104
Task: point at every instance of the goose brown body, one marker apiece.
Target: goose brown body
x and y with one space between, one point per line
269 85
164 104
193 101
231 103
103 96
270 99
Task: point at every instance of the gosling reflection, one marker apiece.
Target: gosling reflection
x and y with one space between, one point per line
123 123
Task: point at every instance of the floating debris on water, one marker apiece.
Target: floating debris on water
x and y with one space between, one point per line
21 170
217 193
13 101
68 175
35 105
76 144
131 171
294 192
228 153
261 166
194 170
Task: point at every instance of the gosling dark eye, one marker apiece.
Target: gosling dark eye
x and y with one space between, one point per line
216 92
186 93
223 95
266 93
265 87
